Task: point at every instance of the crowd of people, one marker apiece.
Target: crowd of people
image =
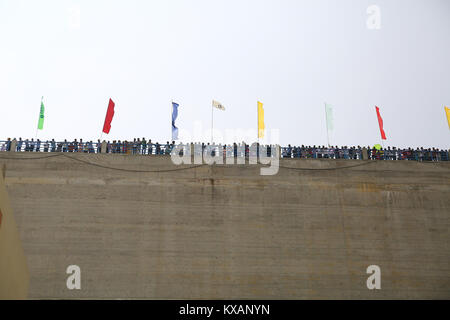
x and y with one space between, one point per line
147 147
365 153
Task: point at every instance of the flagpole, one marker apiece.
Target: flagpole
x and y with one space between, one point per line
171 120
37 129
212 123
257 119
101 134
326 123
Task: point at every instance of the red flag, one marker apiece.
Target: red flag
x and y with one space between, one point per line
109 117
380 122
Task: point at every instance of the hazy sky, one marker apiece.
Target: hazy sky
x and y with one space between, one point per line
292 55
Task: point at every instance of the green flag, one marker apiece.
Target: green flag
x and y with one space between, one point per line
41 116
329 112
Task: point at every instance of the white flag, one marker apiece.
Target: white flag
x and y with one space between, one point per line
218 105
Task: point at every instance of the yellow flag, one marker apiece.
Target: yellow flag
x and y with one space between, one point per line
447 111
261 125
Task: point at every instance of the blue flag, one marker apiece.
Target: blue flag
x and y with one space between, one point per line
174 117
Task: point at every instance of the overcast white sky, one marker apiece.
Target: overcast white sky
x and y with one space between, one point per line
292 55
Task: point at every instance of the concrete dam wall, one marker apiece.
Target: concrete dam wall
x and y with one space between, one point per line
150 229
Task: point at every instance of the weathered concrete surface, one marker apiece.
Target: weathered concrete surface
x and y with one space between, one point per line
228 233
14 276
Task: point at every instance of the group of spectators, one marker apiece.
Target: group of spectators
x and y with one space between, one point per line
365 153
137 146
147 147
51 146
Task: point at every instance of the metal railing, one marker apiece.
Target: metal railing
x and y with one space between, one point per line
50 146
86 147
421 154
238 150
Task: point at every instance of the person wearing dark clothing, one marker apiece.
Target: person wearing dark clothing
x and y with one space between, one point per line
167 148
32 145
134 146
444 155
289 151
150 147
8 144
143 146
19 145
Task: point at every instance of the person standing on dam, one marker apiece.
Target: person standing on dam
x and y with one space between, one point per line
8 144
232 150
150 147
32 145
19 145
167 148
143 146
